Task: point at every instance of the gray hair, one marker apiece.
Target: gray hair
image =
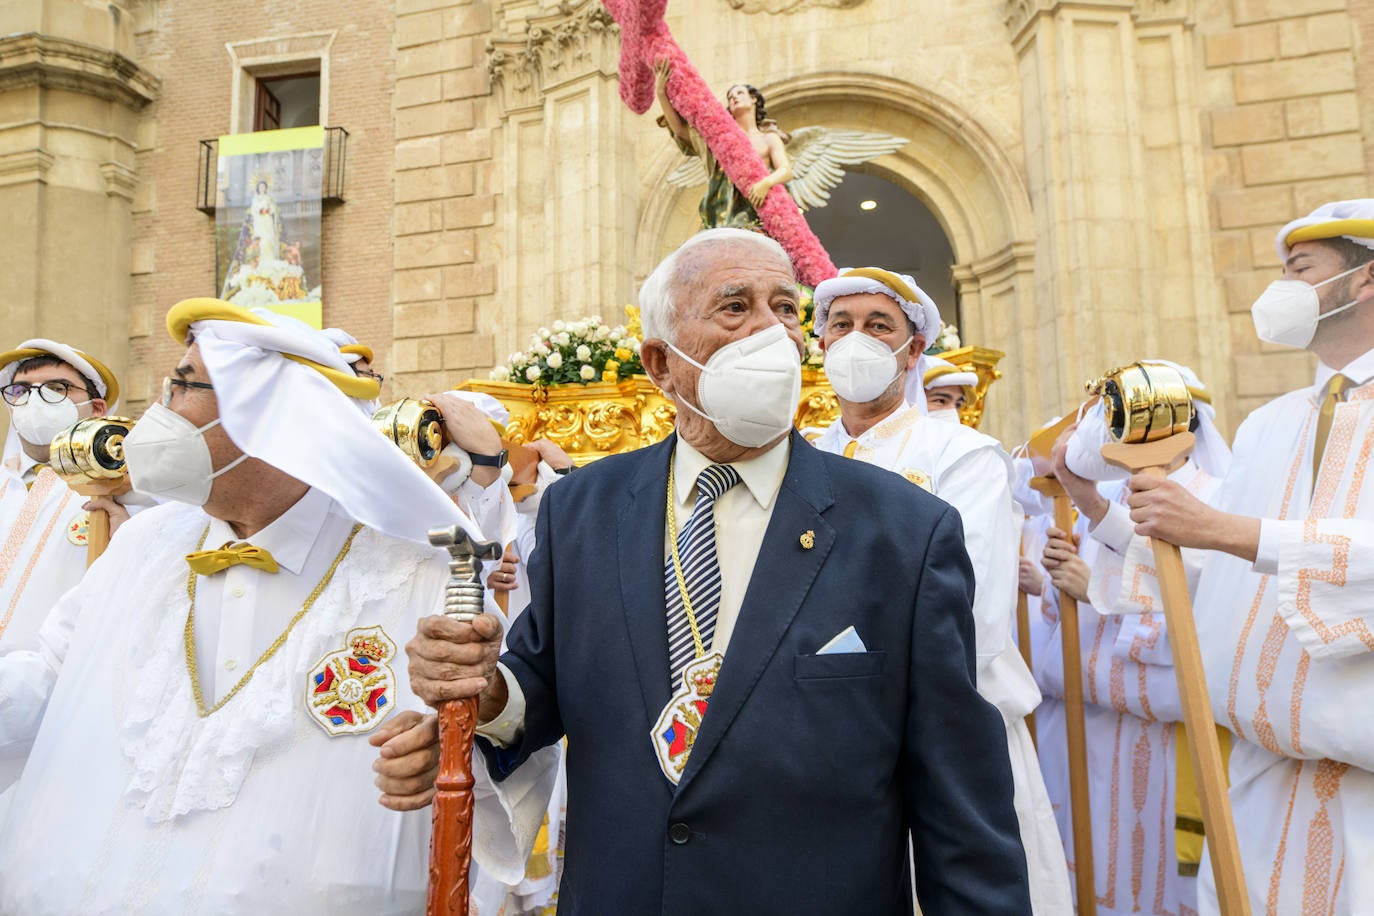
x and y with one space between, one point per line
658 295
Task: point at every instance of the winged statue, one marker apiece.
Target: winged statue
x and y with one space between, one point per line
818 156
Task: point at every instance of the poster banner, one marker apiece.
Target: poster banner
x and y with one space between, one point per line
267 220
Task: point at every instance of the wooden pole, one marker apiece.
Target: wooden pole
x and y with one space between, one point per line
98 520
1073 715
1156 459
1023 639
451 843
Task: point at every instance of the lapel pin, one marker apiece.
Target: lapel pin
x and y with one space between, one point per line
808 539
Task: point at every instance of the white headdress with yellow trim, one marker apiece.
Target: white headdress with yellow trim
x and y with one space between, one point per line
287 396
1346 219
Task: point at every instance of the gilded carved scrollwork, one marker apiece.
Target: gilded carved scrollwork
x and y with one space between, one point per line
578 38
790 6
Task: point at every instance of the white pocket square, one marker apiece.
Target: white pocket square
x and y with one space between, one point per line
847 640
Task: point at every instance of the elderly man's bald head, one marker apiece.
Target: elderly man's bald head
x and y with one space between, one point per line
658 297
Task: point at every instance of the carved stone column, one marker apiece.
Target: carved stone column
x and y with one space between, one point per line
569 184
69 91
1114 169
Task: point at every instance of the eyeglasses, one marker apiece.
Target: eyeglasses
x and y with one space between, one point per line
169 383
368 373
54 391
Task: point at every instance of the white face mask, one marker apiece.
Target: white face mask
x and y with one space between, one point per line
860 367
948 414
1288 311
167 457
37 422
750 389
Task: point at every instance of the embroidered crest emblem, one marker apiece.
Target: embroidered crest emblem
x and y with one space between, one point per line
918 477
78 529
676 730
350 690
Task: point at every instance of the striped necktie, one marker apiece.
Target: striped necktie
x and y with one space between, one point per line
696 545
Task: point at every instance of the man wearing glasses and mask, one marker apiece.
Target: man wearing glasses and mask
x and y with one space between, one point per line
48 387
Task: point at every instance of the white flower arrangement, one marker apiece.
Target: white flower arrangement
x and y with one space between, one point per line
580 351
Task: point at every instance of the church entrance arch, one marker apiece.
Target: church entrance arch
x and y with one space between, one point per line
957 170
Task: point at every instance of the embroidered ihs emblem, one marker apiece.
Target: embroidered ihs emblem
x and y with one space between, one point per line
918 477
351 690
78 529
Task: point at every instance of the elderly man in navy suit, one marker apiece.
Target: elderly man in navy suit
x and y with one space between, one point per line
762 656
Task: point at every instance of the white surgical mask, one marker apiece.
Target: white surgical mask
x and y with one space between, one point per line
750 389
168 458
948 414
1288 311
37 422
860 367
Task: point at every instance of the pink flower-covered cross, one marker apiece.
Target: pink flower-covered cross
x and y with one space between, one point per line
644 39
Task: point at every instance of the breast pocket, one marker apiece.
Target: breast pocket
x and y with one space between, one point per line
839 665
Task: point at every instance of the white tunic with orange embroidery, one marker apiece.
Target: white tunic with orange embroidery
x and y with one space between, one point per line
42 555
1289 653
1130 710
971 472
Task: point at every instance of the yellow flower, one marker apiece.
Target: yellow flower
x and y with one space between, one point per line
609 374
622 354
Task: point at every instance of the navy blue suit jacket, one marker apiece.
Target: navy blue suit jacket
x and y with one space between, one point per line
808 770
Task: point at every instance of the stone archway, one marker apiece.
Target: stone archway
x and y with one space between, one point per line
957 167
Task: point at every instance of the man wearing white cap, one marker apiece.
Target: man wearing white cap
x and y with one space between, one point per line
1285 614
948 388
873 326
207 742
1139 774
47 386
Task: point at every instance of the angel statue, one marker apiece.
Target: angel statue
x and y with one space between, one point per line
807 163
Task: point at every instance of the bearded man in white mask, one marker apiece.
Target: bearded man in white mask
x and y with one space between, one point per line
1284 610
753 647
215 685
873 325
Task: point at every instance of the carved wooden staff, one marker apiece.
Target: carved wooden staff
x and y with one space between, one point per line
1145 404
89 457
450 850
1073 713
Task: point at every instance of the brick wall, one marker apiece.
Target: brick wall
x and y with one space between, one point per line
1286 135
173 255
444 257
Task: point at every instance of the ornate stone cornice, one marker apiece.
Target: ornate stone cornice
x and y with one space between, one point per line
789 6
1019 15
31 59
25 166
120 180
577 39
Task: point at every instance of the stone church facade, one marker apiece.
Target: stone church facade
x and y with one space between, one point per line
1109 174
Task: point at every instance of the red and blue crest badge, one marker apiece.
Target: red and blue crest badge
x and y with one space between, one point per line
351 690
676 729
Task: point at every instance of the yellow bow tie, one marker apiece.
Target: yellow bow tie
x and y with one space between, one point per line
209 562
